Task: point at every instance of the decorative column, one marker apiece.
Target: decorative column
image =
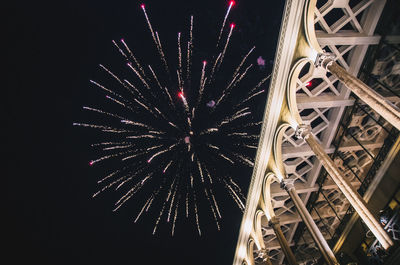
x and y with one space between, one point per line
304 131
386 109
319 239
274 223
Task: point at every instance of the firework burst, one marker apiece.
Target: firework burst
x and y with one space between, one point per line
174 136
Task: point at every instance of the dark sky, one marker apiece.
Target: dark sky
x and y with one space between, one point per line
53 50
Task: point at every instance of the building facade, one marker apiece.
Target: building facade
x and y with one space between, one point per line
325 185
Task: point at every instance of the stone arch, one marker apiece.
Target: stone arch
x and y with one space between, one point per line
250 251
258 238
298 67
309 27
277 151
266 195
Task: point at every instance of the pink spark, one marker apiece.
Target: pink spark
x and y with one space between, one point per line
232 3
91 163
308 84
148 161
233 25
180 94
204 62
142 6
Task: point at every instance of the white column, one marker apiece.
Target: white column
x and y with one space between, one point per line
274 223
304 131
377 102
319 239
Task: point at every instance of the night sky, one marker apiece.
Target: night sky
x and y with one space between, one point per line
54 48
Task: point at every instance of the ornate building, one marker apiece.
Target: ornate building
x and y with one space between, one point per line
325 187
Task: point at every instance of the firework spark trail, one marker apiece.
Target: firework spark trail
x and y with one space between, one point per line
108 176
180 85
180 58
200 171
131 192
196 212
155 38
145 107
241 111
231 3
202 82
104 88
211 79
237 189
226 46
212 209
160 113
162 53
143 208
226 158
175 216
110 114
117 147
143 136
189 50
138 65
116 101
113 93
138 75
129 122
167 166
151 201
172 200
187 202
252 96
108 143
169 97
246 160
155 77
161 152
243 61
123 182
250 146
232 84
209 130
173 125
103 112
208 175
237 134
215 203
159 217
94 126
120 50
131 86
185 104
114 182
112 74
213 146
235 117
241 76
260 84
234 195
152 196
134 155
